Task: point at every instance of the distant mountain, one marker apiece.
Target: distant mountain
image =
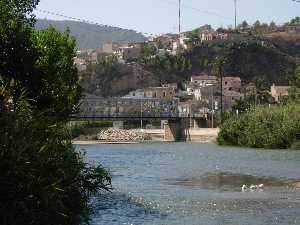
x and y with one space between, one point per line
92 36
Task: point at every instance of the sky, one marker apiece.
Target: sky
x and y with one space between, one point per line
161 16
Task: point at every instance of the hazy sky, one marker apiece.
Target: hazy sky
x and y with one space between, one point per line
161 16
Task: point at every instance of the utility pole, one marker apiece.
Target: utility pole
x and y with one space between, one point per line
212 107
141 114
221 76
179 18
235 14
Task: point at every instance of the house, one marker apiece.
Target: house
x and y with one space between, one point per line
190 88
279 92
203 80
207 92
165 41
81 64
129 53
232 84
113 48
197 94
194 87
170 85
229 98
153 92
210 36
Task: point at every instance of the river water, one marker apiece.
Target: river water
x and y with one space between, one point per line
196 184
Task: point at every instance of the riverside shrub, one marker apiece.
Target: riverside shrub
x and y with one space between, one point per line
264 127
43 180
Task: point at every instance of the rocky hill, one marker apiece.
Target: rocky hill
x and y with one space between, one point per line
90 36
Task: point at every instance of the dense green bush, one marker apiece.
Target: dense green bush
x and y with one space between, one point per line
43 179
264 127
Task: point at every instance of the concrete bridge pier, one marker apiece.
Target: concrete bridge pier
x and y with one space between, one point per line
177 130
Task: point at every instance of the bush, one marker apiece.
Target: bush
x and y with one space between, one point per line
263 127
44 179
87 128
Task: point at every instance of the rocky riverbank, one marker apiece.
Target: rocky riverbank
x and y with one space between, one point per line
116 135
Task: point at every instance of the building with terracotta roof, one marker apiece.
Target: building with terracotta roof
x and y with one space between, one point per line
279 92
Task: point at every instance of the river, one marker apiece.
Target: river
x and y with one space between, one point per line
195 184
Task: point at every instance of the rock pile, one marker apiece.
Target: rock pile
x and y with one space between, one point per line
116 135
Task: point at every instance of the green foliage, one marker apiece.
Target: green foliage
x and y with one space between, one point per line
295 83
249 59
148 50
168 63
107 66
87 127
56 82
263 127
43 180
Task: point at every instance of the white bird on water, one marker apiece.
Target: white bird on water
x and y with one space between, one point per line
253 187
244 187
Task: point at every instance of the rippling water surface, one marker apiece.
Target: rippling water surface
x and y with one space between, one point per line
196 184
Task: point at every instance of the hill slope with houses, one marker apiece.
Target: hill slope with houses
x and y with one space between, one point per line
255 57
89 36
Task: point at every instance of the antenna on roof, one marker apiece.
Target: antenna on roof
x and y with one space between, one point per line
235 13
179 17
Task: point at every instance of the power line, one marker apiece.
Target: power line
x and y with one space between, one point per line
88 21
199 10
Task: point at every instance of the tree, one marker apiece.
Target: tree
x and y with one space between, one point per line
55 85
43 180
256 26
295 83
41 61
17 55
243 26
272 26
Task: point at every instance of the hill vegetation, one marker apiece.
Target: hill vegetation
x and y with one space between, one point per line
89 36
259 53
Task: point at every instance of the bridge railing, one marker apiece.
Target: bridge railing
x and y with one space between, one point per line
127 107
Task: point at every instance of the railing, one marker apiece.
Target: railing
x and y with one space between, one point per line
113 108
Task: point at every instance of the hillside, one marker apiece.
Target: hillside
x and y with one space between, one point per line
92 36
260 54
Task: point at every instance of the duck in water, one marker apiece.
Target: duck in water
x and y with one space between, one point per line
253 187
